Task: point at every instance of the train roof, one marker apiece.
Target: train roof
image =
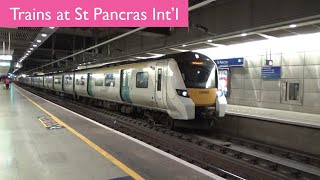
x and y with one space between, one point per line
179 57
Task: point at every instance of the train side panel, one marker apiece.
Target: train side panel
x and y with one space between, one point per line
142 85
68 79
45 84
41 82
106 84
32 81
49 80
28 80
81 83
57 83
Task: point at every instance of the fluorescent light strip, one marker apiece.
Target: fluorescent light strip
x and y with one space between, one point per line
6 57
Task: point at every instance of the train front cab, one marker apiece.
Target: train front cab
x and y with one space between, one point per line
200 77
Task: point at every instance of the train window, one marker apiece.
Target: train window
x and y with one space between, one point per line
82 83
109 80
142 80
77 82
57 80
67 80
159 79
197 70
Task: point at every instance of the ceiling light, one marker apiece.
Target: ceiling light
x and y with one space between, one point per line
5 64
51 27
6 57
219 45
44 35
266 36
28 52
244 34
31 48
210 40
293 26
184 45
38 41
34 45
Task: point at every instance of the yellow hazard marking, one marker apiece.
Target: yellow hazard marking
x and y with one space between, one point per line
90 143
43 123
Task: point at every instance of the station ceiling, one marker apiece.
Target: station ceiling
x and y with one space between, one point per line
206 29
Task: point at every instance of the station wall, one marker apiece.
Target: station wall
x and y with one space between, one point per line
249 89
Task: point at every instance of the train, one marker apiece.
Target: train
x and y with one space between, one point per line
176 90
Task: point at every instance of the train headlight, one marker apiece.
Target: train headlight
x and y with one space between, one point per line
219 93
183 93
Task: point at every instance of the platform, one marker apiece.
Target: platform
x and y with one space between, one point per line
291 130
286 117
28 150
82 150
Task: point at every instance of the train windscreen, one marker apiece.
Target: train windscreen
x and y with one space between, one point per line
197 71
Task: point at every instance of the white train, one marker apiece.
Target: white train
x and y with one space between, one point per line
176 90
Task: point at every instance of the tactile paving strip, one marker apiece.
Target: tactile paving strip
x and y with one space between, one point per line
50 123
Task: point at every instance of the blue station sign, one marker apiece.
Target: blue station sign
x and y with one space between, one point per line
269 72
231 62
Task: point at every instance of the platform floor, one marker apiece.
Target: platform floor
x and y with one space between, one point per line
30 151
287 117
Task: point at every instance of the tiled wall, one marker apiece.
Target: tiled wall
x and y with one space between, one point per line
248 88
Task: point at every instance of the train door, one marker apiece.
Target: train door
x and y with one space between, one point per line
125 88
63 80
41 82
90 84
159 90
74 82
53 82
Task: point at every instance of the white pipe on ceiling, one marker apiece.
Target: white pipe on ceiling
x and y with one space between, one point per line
199 5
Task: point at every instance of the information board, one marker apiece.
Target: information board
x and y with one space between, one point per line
224 81
269 72
231 62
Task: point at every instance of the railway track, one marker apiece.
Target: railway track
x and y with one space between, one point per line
226 156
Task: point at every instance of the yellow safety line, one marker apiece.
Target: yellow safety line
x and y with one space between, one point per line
90 143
